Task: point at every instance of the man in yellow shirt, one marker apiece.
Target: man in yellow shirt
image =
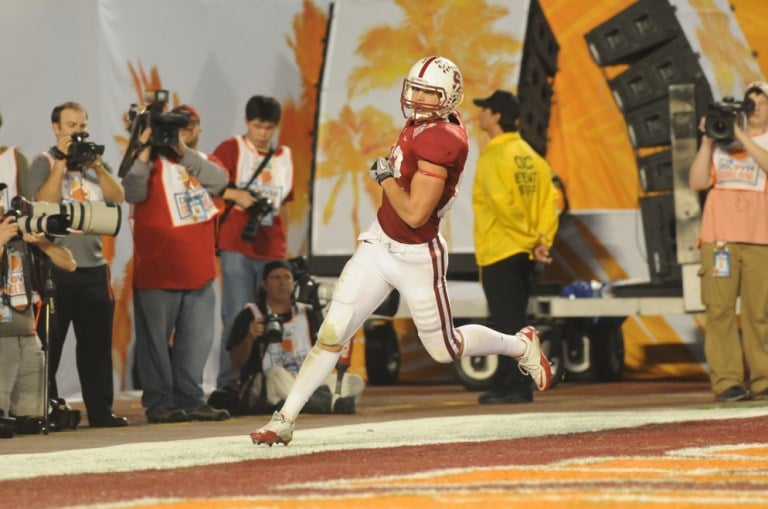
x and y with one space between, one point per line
514 202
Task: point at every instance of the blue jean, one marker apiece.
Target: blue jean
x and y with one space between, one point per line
172 378
240 278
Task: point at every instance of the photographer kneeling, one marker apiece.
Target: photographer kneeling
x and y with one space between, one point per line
22 359
268 343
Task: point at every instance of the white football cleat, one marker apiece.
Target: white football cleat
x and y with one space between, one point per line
277 431
533 362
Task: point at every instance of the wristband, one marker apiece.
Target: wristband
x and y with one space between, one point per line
58 154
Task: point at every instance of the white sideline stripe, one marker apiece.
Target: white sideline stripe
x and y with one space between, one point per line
434 430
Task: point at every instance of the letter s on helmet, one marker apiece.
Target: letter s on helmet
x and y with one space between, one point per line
436 74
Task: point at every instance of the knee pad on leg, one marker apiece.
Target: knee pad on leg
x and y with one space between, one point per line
435 347
335 327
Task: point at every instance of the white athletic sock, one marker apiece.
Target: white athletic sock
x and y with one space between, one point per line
480 340
313 373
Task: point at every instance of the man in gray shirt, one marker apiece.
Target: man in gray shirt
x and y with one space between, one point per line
84 297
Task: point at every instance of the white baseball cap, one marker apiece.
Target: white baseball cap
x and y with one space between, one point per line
760 85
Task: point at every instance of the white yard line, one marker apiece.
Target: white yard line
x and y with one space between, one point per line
435 430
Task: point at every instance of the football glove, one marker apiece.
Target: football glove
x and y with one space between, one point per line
381 170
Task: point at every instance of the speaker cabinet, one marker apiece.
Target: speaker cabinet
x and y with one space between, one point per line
648 79
534 122
540 38
658 213
648 126
655 171
535 94
633 31
534 89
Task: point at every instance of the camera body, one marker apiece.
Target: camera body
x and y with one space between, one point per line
306 287
308 291
718 123
95 217
256 214
273 329
82 152
165 125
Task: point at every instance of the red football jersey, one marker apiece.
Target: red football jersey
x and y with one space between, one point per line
439 142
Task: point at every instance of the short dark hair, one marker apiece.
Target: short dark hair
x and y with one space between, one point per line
261 293
264 108
69 105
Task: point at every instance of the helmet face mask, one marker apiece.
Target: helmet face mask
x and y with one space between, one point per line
436 75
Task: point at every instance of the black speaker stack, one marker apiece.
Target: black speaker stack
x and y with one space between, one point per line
648 39
537 72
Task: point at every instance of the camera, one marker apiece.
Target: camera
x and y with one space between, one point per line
165 126
273 329
96 217
82 152
306 287
309 291
256 214
61 416
718 123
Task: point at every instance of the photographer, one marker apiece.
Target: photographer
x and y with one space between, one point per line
174 269
734 249
14 168
21 355
252 230
273 337
74 171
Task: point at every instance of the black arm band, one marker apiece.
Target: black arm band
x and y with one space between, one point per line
58 154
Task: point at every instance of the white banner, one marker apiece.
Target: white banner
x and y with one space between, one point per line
104 53
360 115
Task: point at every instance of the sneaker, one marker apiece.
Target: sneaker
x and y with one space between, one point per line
167 416
533 362
110 421
344 405
278 431
735 393
208 413
760 396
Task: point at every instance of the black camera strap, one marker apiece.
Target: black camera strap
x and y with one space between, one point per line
228 209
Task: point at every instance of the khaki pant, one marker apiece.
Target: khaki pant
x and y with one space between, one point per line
279 382
21 376
733 360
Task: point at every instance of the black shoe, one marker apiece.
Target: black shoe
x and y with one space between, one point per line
111 421
509 398
344 405
208 413
735 393
167 416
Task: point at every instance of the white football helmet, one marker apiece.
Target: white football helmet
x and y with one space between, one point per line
436 74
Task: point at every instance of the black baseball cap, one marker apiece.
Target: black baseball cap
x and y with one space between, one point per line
502 102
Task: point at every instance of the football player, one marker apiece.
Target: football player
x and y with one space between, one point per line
403 249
